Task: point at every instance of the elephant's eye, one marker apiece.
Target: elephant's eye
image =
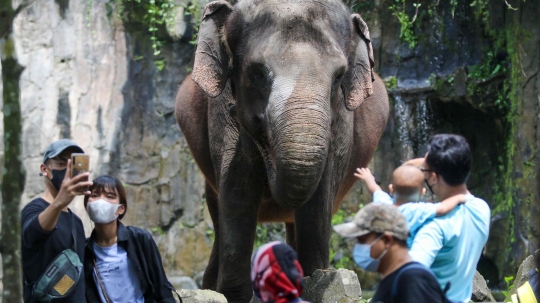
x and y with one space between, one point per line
258 76
337 80
338 75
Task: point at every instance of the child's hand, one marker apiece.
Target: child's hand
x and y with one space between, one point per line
364 174
462 198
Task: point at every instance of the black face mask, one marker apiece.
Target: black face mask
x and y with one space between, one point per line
58 177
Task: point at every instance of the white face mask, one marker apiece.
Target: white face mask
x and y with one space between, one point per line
101 211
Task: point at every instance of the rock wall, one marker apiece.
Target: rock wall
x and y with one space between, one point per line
92 77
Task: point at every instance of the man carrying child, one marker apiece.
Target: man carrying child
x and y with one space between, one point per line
451 244
447 237
408 188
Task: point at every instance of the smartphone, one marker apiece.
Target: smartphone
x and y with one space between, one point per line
79 164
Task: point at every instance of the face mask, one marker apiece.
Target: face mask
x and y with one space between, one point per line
362 256
101 211
58 177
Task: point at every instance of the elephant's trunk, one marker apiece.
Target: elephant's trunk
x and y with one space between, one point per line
299 136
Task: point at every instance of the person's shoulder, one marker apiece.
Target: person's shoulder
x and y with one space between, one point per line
476 202
36 204
417 273
415 268
139 233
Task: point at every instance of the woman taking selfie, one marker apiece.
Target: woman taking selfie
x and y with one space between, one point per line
122 263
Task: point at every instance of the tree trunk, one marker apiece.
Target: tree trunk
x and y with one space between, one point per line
13 174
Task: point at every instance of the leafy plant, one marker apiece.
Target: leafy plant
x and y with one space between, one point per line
194 10
391 83
507 281
406 32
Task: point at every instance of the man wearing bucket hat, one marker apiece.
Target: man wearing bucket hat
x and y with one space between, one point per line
381 232
48 225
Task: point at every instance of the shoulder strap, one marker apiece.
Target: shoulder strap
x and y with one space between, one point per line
73 232
101 282
404 268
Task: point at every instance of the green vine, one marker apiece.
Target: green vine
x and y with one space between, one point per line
194 10
156 13
406 32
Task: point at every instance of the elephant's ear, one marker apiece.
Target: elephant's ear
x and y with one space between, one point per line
357 82
211 68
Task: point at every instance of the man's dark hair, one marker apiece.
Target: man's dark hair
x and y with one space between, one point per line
450 157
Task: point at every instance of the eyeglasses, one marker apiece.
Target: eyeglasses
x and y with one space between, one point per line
426 170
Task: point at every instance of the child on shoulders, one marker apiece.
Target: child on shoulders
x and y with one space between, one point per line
407 188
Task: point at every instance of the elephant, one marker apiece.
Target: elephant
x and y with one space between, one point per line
281 107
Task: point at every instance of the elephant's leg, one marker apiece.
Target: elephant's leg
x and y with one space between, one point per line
240 193
211 273
312 222
291 235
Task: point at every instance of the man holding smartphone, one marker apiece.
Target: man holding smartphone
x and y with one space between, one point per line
47 222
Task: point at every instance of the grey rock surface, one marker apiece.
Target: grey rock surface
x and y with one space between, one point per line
481 292
183 282
332 285
201 296
522 274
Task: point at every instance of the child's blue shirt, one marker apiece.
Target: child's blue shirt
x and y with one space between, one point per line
416 213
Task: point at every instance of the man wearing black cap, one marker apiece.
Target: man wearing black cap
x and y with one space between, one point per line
47 221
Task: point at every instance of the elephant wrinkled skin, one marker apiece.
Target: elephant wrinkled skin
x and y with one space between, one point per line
281 107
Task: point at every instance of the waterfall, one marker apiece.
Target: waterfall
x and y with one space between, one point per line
413 121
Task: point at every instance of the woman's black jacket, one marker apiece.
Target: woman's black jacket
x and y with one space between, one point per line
144 255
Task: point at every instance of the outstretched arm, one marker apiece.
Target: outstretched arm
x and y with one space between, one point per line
415 162
365 175
449 204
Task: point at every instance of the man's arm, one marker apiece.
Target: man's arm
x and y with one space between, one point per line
449 204
427 243
69 189
415 162
365 175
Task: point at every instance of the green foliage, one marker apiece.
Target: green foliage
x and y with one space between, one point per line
406 32
509 285
482 72
158 231
194 10
391 83
268 232
339 217
339 247
211 234
156 13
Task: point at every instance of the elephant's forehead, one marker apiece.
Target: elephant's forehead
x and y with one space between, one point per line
317 21
285 10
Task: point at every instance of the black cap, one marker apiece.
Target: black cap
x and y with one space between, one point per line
57 147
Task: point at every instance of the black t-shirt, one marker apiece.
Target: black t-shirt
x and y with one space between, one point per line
40 247
413 285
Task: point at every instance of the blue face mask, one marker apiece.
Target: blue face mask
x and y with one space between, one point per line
362 256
